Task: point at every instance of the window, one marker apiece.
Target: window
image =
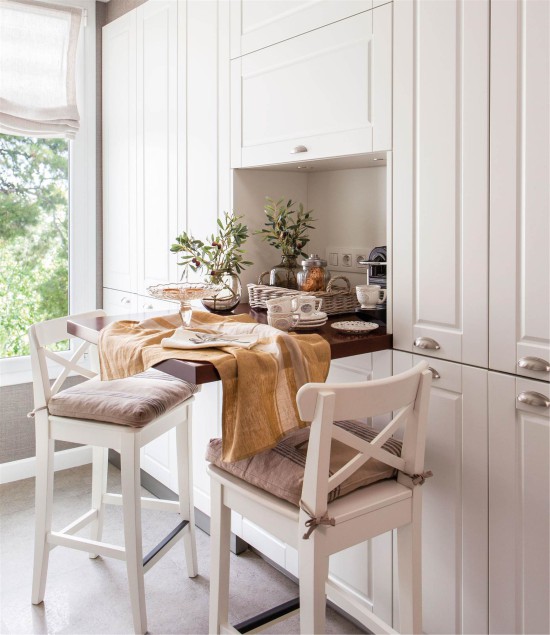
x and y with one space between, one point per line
34 236
48 253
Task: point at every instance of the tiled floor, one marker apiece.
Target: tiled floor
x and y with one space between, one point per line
90 596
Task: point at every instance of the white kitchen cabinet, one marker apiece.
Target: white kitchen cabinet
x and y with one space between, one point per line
454 500
119 154
519 495
519 318
256 24
144 132
176 78
440 178
157 141
316 95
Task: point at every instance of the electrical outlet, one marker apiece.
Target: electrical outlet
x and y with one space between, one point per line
347 260
360 253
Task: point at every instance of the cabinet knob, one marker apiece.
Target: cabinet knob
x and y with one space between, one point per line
434 372
147 307
125 300
298 149
534 363
426 342
532 398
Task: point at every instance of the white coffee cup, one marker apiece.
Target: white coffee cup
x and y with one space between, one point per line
306 305
279 305
369 295
283 321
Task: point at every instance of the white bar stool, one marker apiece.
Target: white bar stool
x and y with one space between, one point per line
124 415
317 528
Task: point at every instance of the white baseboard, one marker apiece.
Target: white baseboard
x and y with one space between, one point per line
26 468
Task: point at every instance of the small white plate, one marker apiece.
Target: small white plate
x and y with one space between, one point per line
314 317
308 326
354 326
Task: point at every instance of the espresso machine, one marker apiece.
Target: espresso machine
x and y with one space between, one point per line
376 274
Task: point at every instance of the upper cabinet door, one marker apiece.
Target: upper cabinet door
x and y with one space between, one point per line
312 96
440 179
119 153
157 139
520 194
256 24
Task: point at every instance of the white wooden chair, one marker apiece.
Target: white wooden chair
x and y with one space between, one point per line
318 529
103 435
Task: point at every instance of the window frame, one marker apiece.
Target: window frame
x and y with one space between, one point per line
82 192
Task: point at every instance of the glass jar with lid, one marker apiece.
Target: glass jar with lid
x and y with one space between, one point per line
314 275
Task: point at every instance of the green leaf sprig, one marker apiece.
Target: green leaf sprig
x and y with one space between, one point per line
220 252
286 227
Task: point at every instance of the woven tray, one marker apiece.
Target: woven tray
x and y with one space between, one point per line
336 299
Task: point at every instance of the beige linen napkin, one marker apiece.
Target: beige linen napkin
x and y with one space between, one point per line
259 385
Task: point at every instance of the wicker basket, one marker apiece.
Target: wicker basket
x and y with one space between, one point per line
336 299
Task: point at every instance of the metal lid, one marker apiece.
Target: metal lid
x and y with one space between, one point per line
314 261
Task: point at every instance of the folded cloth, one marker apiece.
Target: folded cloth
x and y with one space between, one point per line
259 385
187 339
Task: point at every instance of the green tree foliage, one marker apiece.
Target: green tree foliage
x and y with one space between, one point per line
34 224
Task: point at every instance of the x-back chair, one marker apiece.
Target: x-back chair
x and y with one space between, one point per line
123 415
318 528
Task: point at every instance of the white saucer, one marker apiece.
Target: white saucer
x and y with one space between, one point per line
304 326
354 326
314 317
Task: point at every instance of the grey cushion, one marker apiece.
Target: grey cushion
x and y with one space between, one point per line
134 401
280 471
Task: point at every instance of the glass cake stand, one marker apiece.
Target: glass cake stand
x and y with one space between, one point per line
184 293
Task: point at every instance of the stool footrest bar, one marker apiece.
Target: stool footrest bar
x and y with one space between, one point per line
164 546
77 525
84 544
269 616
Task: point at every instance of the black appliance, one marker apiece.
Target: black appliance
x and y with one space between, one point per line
376 274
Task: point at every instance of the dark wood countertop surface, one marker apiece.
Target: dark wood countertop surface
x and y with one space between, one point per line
341 345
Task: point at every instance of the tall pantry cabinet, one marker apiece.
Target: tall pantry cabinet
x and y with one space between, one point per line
471 280
166 167
519 319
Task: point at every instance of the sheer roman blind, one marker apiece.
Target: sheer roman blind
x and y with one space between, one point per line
38 45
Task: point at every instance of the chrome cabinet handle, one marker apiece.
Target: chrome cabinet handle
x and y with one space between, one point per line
532 398
298 149
426 342
534 363
125 300
434 372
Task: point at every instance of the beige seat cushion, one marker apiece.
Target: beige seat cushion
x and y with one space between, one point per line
280 471
134 401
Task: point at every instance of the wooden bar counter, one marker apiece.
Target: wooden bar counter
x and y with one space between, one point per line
341 345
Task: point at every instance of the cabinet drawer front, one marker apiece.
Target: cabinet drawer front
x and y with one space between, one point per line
255 25
119 302
312 91
145 303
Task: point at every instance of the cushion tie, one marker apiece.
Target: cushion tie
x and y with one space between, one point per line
314 521
419 479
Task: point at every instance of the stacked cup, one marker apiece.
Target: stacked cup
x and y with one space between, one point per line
281 313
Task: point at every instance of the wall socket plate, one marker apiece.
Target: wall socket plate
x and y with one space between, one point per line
347 258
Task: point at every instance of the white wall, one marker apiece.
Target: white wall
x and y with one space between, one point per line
349 207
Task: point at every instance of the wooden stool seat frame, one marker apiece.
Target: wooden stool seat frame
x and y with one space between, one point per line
363 514
127 441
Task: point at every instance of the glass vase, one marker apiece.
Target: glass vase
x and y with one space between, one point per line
228 294
285 274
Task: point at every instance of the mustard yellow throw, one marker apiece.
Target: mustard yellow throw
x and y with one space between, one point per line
259 384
